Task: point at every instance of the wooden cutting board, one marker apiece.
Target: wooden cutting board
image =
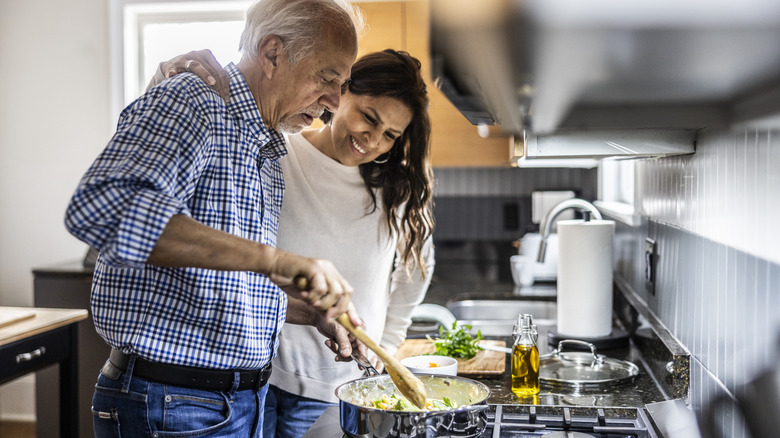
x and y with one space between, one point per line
485 363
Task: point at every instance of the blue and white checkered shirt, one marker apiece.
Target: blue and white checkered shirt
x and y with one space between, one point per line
179 149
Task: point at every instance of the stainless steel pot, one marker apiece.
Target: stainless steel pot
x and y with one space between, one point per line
583 370
468 420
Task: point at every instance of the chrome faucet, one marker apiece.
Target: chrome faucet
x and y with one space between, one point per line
549 218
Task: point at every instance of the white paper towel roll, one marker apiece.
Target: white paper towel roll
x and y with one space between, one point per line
585 278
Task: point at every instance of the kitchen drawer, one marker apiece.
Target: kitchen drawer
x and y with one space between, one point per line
44 349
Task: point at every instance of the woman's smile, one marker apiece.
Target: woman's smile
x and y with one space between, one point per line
357 146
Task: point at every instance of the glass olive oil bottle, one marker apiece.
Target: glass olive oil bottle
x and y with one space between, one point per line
525 358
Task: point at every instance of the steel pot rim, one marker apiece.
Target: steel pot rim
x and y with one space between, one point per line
360 380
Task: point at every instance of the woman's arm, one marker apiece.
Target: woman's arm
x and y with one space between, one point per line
407 290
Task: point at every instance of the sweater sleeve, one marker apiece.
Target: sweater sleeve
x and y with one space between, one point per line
407 290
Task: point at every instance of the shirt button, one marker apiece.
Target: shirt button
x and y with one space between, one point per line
168 399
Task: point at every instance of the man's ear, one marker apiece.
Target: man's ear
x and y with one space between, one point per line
269 53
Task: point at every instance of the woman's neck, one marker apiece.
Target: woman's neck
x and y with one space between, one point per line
321 140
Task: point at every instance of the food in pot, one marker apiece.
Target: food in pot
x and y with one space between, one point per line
399 403
444 394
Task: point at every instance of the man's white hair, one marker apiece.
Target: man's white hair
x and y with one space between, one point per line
302 25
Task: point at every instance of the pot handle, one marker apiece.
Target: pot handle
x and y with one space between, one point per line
467 408
421 425
364 364
597 358
476 408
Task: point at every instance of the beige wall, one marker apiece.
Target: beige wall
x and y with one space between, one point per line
54 118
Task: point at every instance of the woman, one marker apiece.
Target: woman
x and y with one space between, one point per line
358 192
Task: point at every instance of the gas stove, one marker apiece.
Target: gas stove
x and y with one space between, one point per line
565 421
507 420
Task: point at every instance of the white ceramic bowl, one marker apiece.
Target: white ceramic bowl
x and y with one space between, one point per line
522 270
429 364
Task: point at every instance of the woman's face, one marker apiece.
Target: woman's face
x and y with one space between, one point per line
365 127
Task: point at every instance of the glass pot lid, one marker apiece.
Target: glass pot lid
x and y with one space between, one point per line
582 369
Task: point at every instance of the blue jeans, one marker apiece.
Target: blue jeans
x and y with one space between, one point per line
132 407
288 415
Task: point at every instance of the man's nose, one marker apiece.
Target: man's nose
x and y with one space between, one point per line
331 98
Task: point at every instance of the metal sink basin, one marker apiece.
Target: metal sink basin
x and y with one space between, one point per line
498 317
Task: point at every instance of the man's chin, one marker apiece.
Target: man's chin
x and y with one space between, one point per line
296 124
291 128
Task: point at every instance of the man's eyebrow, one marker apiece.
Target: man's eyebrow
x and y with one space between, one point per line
332 72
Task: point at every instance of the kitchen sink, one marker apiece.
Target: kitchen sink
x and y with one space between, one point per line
498 317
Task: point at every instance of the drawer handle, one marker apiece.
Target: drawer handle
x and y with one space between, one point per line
26 357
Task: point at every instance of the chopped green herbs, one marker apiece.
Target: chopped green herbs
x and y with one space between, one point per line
457 342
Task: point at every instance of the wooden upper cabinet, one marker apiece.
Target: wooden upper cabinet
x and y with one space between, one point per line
404 25
384 27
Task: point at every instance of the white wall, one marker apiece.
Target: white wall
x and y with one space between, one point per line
54 119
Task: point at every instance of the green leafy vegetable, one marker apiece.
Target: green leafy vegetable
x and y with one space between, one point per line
458 342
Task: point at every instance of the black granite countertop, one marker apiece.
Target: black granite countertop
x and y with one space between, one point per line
662 375
637 393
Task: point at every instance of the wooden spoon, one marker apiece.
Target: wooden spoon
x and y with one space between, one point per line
410 386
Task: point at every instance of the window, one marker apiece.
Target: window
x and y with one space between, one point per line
616 187
147 32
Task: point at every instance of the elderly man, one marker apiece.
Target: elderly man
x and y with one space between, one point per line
183 205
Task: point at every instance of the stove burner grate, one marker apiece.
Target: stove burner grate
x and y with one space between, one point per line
533 421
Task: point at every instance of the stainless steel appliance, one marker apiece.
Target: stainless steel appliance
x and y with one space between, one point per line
359 420
547 66
532 421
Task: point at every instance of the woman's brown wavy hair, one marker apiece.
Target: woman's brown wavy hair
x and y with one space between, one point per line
406 177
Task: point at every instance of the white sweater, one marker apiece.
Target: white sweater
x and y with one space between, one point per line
324 215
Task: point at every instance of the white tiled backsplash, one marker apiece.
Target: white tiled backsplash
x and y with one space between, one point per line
713 216
728 191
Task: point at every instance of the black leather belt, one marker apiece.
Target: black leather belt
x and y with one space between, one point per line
190 377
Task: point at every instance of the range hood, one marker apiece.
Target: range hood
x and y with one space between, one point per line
549 67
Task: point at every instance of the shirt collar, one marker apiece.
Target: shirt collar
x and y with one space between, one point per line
270 142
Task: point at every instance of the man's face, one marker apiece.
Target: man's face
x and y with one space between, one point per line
305 89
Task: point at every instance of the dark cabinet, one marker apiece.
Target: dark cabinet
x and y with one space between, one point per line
68 286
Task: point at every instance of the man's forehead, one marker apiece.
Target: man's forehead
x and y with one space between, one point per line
336 54
336 63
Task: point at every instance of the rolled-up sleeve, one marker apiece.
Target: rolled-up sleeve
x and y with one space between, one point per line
142 178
